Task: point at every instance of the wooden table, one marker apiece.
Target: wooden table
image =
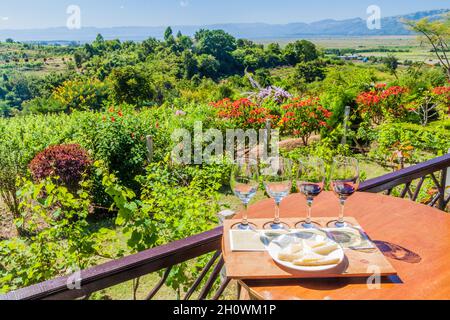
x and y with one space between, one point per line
415 239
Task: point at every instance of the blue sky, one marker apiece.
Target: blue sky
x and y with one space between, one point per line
23 14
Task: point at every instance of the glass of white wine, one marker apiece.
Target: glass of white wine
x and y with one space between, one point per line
244 183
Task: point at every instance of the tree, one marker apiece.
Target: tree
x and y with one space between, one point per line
148 47
168 33
184 43
79 58
437 34
208 66
131 85
9 40
99 39
274 48
309 71
218 44
299 51
391 62
190 64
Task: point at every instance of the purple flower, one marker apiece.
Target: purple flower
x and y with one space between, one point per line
265 93
280 94
180 113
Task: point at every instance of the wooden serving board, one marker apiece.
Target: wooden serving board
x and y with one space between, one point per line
259 265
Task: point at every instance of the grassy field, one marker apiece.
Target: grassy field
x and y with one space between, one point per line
32 61
416 50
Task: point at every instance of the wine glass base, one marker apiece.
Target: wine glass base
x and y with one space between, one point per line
244 227
306 225
276 226
337 224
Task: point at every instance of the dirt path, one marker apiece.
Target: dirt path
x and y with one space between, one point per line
286 145
7 230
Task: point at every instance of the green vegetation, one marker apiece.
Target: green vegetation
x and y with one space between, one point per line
81 185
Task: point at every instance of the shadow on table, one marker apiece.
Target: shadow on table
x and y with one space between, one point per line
397 252
320 284
330 283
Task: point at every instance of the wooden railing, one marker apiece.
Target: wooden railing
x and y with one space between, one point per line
168 256
435 169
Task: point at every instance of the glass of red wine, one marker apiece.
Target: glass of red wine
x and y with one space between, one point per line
310 183
345 180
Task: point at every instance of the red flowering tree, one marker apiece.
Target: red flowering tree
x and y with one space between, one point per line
442 97
244 113
66 162
303 117
382 102
300 117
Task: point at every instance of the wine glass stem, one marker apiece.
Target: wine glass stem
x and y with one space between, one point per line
277 213
342 214
309 216
245 215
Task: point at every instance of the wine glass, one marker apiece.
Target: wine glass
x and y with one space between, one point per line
310 182
344 182
277 178
244 183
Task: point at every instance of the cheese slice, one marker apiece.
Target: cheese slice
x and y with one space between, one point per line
289 257
313 262
326 249
292 252
315 244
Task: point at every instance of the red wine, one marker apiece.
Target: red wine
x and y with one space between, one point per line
344 189
310 190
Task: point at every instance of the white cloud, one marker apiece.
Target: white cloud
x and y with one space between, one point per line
5 18
184 3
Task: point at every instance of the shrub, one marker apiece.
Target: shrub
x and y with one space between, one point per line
66 162
309 71
132 85
303 117
433 139
243 113
442 97
382 103
43 105
61 239
10 170
83 94
176 202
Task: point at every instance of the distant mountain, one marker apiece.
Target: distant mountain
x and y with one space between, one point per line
324 28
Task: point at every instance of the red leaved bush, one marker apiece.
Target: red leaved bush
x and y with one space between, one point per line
68 162
382 102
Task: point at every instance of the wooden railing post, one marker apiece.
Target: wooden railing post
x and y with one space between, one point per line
149 142
442 204
446 184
